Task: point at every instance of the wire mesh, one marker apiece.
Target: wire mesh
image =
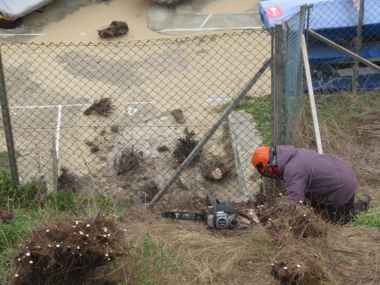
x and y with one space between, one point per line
118 118
353 28
293 75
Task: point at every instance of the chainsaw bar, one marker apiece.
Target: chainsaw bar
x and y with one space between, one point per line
192 216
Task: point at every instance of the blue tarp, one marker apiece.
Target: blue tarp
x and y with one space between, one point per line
336 20
319 52
273 10
333 19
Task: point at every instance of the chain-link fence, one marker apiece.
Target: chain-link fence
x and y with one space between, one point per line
120 118
293 74
353 25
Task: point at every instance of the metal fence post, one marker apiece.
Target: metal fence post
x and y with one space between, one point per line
7 125
278 91
278 83
358 45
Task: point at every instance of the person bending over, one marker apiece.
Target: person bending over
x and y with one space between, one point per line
325 180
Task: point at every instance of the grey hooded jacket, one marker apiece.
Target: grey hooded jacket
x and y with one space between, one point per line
322 178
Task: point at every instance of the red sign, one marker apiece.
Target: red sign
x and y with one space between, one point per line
274 11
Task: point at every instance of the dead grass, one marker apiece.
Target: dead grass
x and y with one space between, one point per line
329 255
350 128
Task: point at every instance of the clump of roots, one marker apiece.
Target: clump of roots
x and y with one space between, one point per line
281 217
63 251
67 180
103 106
127 160
148 192
185 146
115 29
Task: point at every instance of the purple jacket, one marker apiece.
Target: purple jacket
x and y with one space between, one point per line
323 178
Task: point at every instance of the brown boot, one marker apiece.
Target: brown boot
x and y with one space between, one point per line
364 200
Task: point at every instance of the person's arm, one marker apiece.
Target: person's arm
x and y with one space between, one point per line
295 184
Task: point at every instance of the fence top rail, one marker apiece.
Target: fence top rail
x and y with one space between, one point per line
168 40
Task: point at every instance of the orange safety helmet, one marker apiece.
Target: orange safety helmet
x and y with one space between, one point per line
261 158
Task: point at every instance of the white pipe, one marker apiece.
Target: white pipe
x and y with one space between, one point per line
311 95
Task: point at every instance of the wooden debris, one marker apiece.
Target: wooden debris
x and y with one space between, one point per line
178 115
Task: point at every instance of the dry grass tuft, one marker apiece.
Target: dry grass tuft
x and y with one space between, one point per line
127 160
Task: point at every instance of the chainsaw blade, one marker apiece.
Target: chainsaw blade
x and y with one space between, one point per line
192 216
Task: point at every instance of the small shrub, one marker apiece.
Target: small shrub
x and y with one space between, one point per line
371 218
20 195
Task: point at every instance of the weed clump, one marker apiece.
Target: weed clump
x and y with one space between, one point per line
185 146
127 160
67 180
103 106
64 251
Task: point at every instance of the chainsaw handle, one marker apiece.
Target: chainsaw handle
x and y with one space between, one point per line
244 215
215 202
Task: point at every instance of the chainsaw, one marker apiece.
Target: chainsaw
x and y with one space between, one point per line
219 215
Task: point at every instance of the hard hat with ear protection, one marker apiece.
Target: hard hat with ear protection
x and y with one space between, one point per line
264 160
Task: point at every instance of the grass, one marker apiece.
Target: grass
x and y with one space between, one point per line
4 160
151 257
369 219
260 109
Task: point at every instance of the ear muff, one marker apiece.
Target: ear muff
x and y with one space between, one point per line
260 167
